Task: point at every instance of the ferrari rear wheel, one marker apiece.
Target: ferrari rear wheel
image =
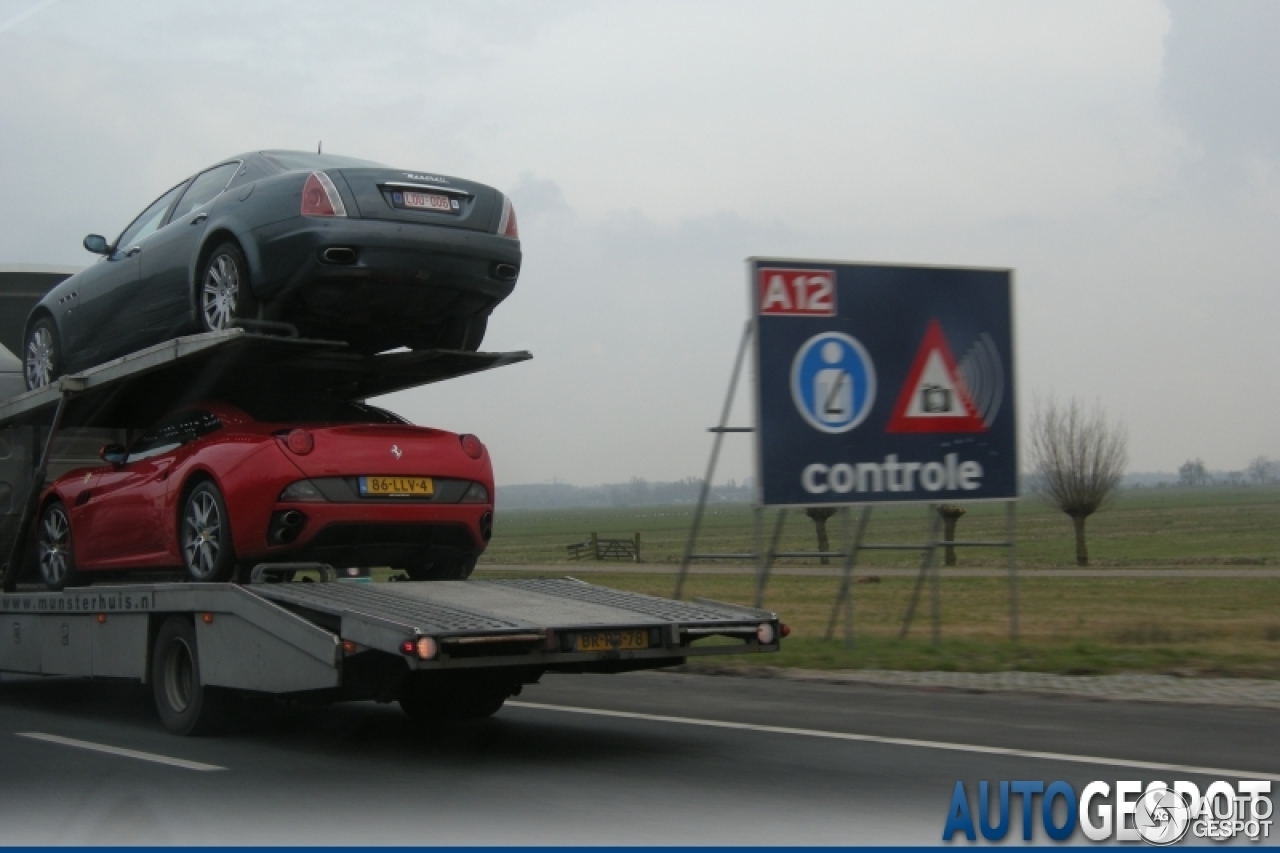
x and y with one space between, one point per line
225 295
205 536
42 355
56 548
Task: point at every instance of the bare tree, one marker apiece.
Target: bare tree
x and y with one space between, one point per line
1259 470
1078 458
820 514
1193 473
950 515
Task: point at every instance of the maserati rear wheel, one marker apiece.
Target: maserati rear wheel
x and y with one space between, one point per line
225 295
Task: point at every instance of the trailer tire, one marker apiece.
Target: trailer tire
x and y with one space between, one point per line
451 699
186 705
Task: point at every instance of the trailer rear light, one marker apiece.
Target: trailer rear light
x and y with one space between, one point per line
303 490
476 493
765 633
471 446
785 630
507 224
320 197
423 648
300 441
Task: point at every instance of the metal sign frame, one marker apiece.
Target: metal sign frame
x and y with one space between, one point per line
764 557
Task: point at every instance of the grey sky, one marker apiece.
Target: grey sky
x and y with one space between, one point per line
1123 156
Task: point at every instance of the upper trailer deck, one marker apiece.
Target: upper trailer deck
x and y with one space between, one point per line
136 390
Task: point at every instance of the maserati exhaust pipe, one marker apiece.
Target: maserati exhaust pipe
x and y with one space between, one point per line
338 255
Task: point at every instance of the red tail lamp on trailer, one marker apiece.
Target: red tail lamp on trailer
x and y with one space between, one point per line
423 648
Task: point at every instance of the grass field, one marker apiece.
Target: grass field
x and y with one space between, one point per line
1143 527
1192 626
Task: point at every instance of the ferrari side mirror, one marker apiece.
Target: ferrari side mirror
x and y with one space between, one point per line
113 454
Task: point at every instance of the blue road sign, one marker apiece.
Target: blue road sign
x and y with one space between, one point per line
833 382
883 384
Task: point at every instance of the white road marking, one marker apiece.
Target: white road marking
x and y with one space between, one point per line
1218 772
116 750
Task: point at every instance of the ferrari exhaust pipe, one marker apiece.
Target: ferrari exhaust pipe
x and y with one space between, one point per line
338 255
285 526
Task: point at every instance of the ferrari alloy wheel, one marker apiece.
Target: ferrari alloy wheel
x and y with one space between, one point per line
55 549
41 358
224 289
206 536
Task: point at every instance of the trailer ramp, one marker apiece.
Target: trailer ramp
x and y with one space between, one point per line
557 624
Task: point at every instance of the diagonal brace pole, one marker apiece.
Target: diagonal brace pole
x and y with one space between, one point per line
925 565
13 568
715 456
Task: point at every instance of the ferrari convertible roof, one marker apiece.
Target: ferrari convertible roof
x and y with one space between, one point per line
235 366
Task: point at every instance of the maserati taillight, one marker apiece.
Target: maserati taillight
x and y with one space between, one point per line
507 224
320 197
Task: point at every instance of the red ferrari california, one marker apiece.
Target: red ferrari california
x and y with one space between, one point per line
213 487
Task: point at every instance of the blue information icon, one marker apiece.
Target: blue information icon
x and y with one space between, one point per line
833 382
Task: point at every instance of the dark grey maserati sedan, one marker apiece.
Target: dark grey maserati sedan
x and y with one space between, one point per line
330 247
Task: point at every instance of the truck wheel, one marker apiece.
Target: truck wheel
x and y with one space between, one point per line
205 536
439 699
56 549
186 706
224 295
42 355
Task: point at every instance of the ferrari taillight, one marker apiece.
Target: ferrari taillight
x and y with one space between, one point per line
300 441
320 197
507 224
471 445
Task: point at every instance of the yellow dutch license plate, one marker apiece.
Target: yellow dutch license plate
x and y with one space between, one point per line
609 641
396 487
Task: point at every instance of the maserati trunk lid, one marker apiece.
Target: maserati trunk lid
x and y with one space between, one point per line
424 198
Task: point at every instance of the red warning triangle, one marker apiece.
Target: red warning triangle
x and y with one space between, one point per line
934 397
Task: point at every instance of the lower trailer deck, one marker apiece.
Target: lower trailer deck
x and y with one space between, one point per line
300 637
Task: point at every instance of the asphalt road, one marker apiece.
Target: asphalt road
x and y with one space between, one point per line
798 763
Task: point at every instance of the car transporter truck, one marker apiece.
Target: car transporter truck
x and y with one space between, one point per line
445 650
